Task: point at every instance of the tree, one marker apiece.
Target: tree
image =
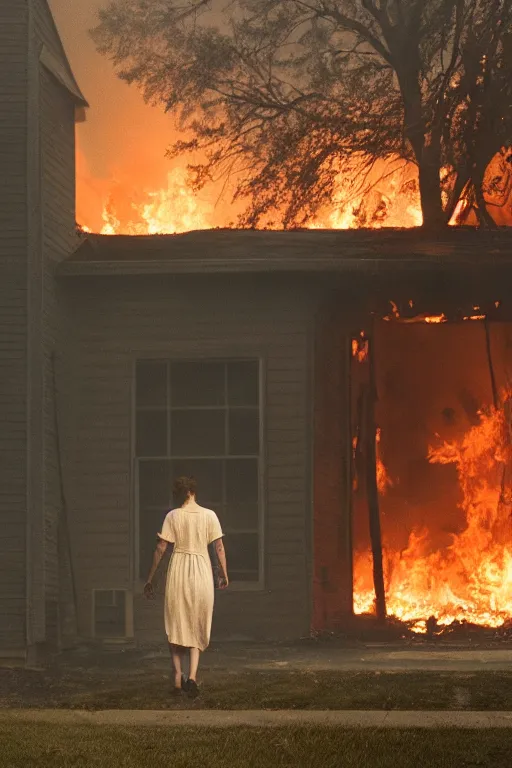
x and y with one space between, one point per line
479 121
284 95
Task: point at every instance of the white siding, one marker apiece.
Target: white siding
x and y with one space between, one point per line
119 320
13 321
36 230
58 197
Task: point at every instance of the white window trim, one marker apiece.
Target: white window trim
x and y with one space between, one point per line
234 586
129 615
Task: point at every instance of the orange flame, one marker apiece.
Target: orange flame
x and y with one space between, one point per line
383 479
166 211
471 579
360 348
130 208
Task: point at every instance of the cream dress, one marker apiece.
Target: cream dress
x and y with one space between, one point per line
189 592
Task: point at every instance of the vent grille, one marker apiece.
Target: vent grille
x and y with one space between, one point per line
110 613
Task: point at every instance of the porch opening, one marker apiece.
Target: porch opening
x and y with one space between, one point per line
436 395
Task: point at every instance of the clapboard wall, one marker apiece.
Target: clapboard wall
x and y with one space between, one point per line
13 320
37 230
114 321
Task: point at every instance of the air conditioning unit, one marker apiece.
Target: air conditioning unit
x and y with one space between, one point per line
112 614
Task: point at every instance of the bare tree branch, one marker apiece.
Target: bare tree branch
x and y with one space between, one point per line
286 96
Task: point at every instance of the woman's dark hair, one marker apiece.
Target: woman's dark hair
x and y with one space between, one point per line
183 487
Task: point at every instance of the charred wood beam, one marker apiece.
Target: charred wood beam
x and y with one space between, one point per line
497 404
372 489
488 349
347 465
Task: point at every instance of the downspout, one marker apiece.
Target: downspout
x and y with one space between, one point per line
35 572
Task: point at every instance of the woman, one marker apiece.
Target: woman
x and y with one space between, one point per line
189 592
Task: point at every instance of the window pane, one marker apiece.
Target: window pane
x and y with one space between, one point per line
243 383
151 385
196 384
198 433
109 614
246 576
208 474
150 524
242 553
241 481
244 432
221 514
151 433
242 517
155 483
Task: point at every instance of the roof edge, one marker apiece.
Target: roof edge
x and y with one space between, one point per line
317 265
65 78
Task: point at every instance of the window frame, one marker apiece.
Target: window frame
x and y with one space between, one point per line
248 356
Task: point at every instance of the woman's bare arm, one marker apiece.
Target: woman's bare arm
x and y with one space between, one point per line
221 554
160 551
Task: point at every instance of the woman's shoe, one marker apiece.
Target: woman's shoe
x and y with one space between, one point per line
184 683
192 689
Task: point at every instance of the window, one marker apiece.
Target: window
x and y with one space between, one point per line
203 419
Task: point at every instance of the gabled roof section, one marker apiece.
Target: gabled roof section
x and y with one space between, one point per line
250 251
53 56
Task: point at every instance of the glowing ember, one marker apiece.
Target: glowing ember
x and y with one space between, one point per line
395 313
435 318
360 348
471 579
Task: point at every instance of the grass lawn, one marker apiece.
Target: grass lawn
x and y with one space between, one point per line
293 690
44 746
264 690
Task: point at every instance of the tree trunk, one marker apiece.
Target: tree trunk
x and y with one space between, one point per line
430 193
460 190
484 217
428 156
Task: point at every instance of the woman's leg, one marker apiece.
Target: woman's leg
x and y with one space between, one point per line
194 663
177 656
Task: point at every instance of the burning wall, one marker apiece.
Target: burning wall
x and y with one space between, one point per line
446 526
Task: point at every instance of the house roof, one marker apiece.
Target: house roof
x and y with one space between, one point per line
251 251
54 58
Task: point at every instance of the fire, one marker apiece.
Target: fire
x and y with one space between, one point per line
360 348
166 211
131 208
388 197
471 579
383 480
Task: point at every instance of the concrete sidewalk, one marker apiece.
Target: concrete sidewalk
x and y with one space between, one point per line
261 718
